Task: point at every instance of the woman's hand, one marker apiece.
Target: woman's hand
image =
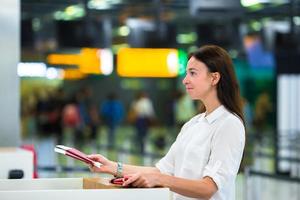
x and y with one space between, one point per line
143 180
106 167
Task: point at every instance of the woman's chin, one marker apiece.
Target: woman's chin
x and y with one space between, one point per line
193 97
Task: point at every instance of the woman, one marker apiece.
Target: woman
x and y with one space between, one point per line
204 160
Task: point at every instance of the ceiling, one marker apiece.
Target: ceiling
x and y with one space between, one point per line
166 9
115 8
184 13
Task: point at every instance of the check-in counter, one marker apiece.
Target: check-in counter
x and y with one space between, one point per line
75 189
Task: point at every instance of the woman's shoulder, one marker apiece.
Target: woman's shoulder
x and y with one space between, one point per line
230 117
231 121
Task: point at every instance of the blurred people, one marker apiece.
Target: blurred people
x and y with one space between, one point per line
42 111
72 121
28 115
112 112
88 111
169 110
55 115
142 112
94 123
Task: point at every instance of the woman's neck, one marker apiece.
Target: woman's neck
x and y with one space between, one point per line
211 105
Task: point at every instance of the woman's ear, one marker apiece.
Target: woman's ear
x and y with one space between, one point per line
215 78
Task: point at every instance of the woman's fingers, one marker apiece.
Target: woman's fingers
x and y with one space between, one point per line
98 158
91 167
131 178
94 167
139 183
95 157
106 166
127 176
144 180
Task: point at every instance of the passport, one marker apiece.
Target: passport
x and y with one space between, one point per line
76 154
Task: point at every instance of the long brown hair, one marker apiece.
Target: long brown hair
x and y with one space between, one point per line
218 60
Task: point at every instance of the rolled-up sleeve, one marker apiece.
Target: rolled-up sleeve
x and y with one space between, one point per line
226 152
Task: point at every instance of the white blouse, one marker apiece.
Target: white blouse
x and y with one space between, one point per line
208 146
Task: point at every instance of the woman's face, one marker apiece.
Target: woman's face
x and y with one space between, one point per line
198 80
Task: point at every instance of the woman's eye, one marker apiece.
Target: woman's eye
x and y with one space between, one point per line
192 73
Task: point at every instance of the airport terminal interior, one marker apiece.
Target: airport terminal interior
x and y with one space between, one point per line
79 67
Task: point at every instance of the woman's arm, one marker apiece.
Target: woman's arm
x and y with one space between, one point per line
130 169
110 167
151 177
204 188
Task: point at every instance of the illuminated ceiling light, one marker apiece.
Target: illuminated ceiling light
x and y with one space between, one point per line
140 23
138 62
32 69
256 25
296 20
106 58
98 4
70 13
70 10
124 31
36 24
186 38
59 15
102 4
248 3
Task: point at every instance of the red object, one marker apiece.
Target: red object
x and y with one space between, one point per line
30 147
76 154
119 181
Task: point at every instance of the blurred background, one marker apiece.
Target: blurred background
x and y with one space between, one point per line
105 76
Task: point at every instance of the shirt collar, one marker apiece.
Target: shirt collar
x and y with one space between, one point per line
213 116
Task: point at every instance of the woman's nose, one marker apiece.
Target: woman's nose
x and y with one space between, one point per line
184 81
